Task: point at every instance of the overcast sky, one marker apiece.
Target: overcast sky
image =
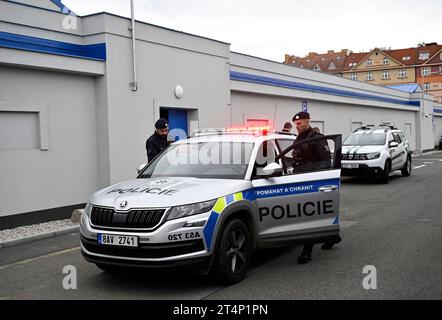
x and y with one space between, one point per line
271 28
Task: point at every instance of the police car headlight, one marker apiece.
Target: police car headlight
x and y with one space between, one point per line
373 155
190 210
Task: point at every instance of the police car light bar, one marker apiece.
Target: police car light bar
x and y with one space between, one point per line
263 129
256 130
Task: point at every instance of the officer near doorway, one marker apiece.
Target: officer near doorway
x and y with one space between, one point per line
157 142
309 157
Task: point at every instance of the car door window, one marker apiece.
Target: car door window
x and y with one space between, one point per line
390 139
287 159
397 138
310 155
267 154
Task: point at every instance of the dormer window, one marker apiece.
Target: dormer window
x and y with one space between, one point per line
332 66
316 68
424 55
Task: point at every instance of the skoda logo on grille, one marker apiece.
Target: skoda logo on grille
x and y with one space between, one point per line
123 204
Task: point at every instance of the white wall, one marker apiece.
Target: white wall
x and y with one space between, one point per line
337 118
64 174
198 65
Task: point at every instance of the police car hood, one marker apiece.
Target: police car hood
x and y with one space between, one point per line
360 149
165 192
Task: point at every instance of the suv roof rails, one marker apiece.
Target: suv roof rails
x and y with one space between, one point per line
392 127
366 127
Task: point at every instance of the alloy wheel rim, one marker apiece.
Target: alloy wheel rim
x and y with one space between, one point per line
236 251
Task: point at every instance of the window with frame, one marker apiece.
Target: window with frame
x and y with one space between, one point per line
369 63
440 68
386 74
402 73
386 61
353 76
316 68
426 71
426 86
369 76
424 55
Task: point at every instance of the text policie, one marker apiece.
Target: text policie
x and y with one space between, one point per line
307 209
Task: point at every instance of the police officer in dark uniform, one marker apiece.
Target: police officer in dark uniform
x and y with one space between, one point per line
309 156
157 142
287 127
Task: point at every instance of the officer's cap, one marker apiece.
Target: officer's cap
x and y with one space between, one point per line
301 115
161 124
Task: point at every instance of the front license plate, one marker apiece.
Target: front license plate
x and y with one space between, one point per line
350 165
117 240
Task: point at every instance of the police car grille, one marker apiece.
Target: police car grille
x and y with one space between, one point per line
144 218
139 219
102 216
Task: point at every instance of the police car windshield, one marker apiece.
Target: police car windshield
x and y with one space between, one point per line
372 139
211 160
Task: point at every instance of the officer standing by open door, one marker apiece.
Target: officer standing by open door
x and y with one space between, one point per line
306 157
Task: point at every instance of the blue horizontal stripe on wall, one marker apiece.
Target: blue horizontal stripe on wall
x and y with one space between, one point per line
21 42
239 76
62 7
437 110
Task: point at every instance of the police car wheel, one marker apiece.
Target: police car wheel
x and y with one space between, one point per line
385 176
406 171
233 253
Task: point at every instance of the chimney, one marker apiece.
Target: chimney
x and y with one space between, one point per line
287 59
330 51
312 54
345 51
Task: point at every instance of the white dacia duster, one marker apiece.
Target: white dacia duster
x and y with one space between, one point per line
376 151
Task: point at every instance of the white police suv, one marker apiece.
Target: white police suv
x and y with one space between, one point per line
209 201
376 151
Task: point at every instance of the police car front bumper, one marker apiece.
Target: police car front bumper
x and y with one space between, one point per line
361 170
156 249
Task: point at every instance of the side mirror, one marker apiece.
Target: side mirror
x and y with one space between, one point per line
272 169
141 167
393 144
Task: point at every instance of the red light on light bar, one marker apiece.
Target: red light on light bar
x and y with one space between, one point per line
255 129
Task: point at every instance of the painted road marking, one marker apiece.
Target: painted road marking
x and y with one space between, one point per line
419 166
428 162
57 253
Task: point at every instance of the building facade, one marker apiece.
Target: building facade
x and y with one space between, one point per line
421 65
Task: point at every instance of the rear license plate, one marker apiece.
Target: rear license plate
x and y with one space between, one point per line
350 165
117 240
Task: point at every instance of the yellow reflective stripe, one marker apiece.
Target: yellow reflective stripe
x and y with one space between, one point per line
219 205
238 196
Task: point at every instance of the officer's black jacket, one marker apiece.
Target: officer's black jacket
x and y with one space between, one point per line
154 145
310 155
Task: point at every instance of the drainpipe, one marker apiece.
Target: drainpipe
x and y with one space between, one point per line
134 83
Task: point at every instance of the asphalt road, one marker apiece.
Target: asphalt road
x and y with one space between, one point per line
397 228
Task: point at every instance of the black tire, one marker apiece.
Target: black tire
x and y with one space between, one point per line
385 175
233 252
406 170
